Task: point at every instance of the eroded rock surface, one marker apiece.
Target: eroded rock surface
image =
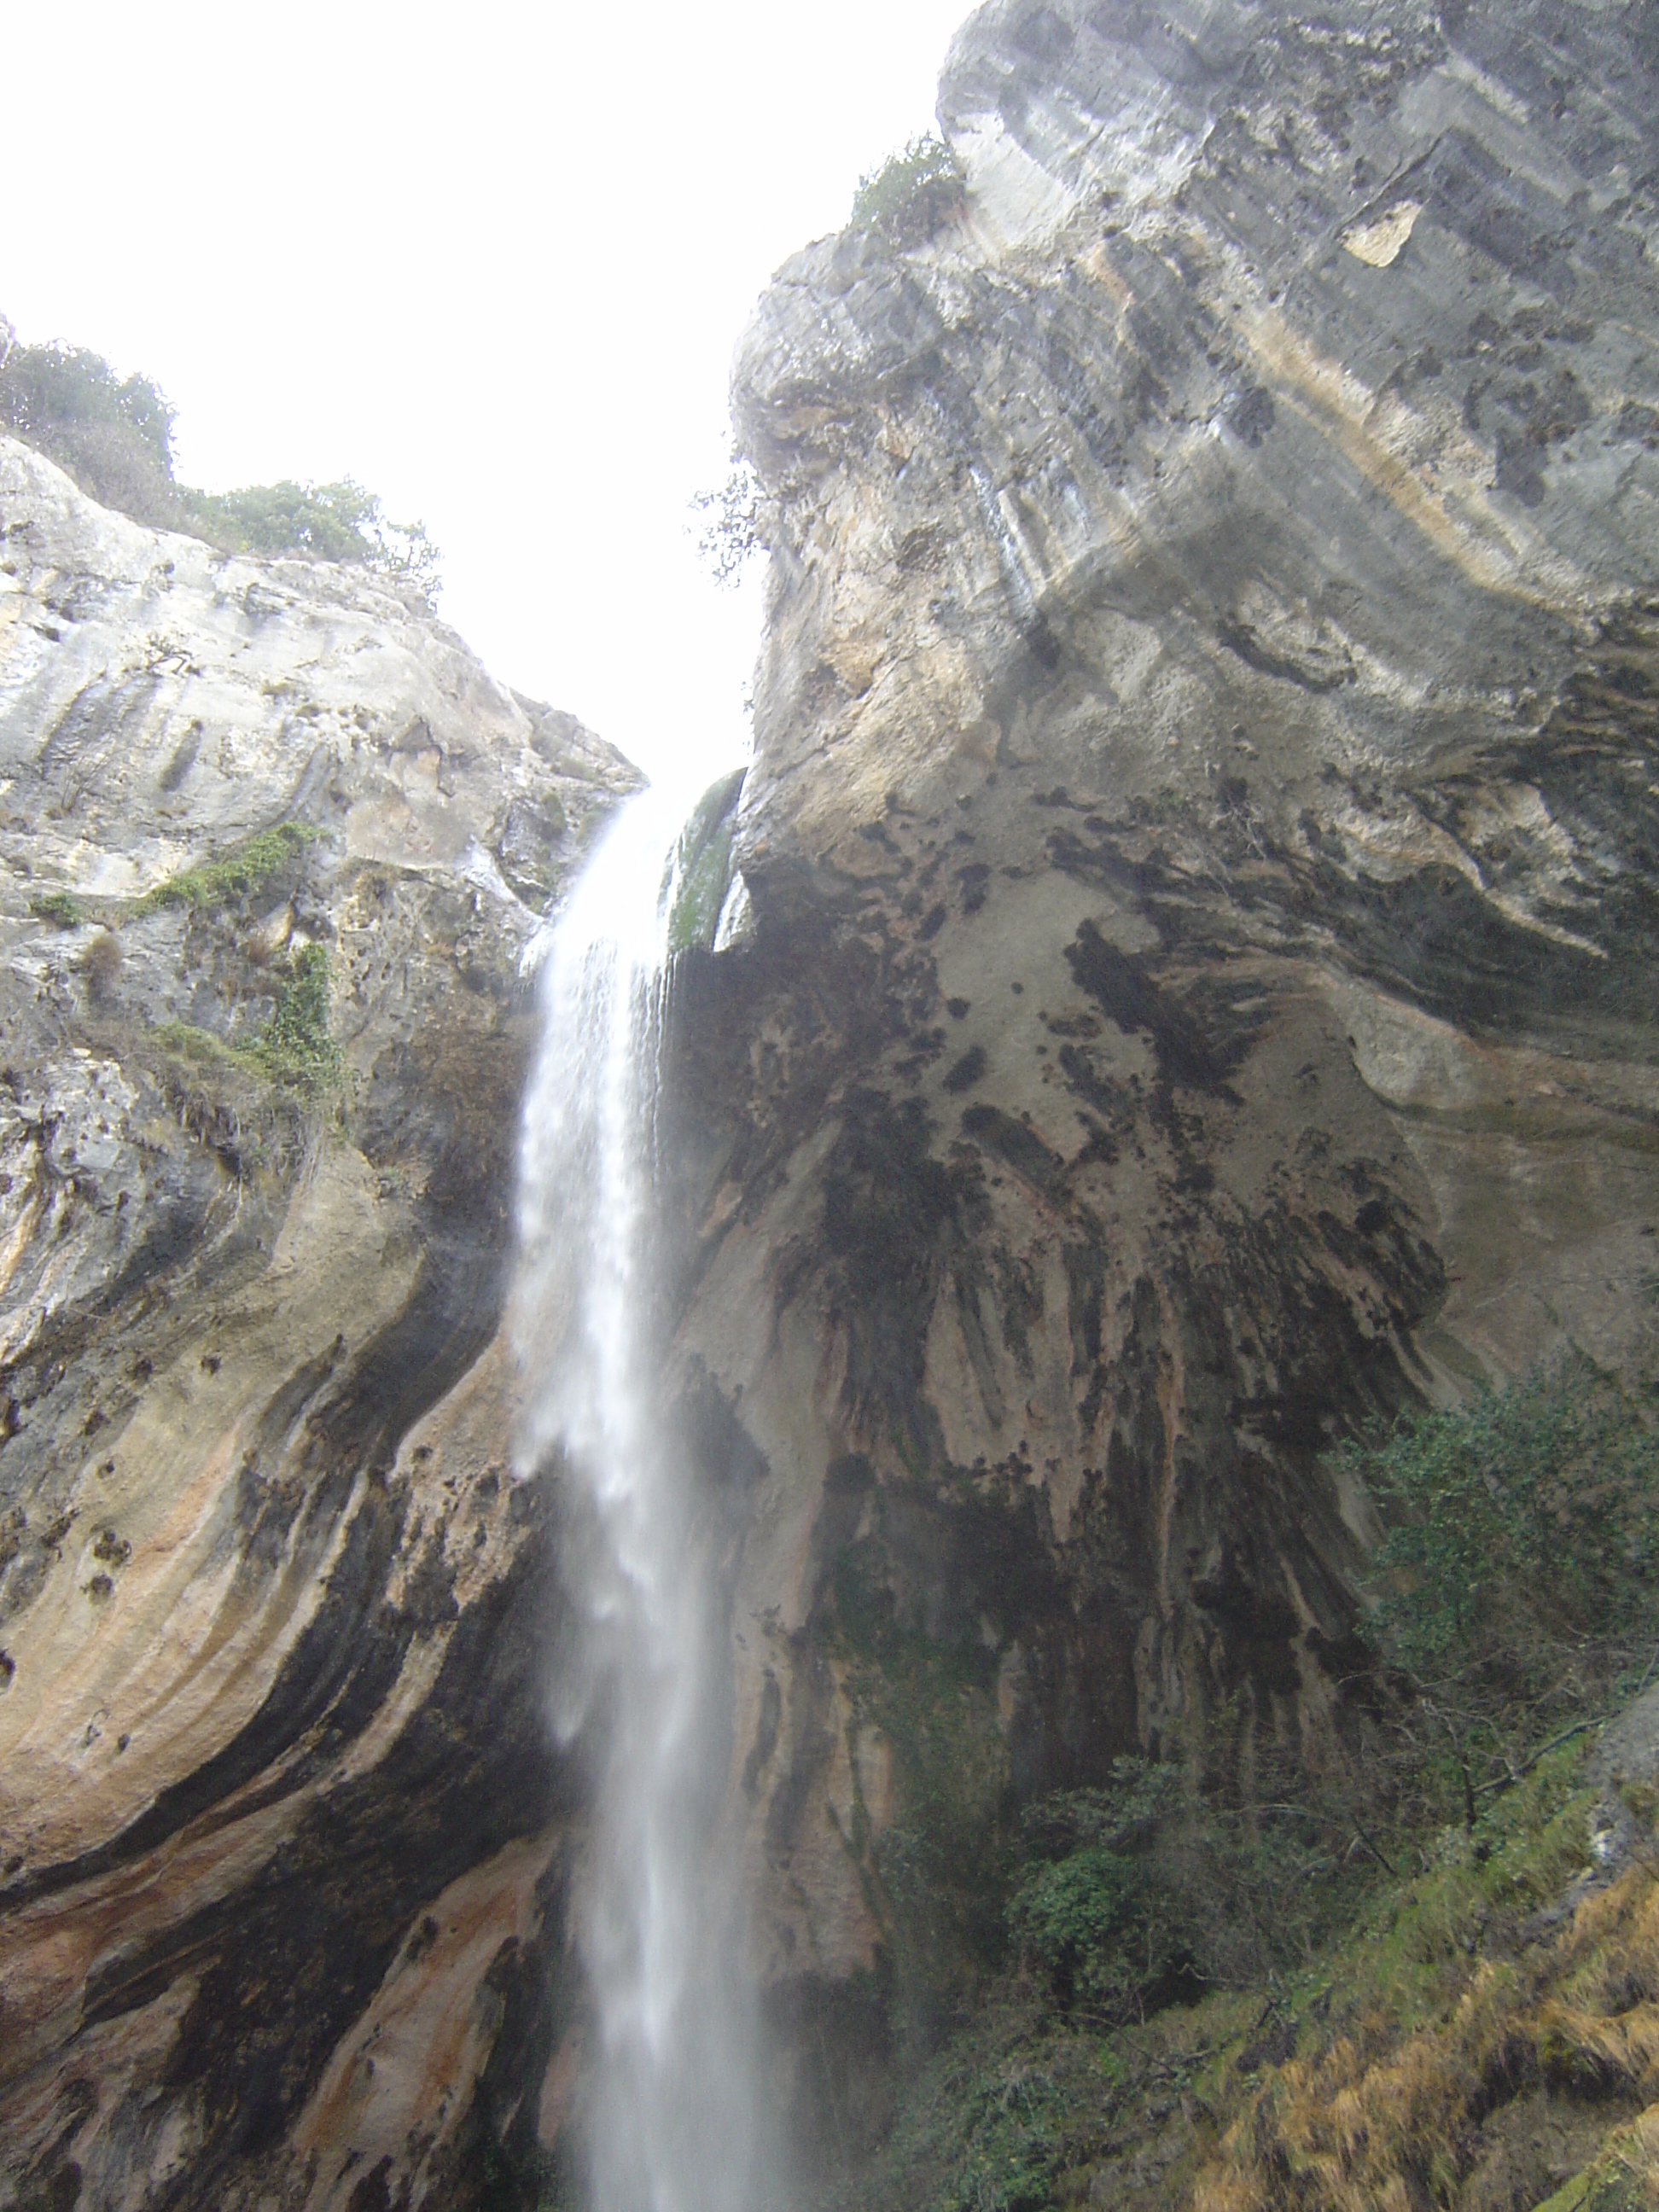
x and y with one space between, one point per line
281 1852
1200 859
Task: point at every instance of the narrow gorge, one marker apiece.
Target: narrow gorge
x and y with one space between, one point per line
739 1387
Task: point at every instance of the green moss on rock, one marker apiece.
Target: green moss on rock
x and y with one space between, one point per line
59 909
700 872
241 871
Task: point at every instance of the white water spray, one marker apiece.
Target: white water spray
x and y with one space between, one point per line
673 2125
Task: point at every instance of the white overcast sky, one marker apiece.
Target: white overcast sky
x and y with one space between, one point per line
492 261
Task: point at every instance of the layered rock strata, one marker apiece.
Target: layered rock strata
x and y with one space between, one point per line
281 1852
1200 864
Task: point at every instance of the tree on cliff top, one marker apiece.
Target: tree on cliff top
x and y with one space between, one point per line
112 435
912 195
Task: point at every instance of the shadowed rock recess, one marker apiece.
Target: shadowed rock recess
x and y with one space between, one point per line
1194 990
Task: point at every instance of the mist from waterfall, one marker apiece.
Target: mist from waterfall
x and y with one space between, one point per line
673 2123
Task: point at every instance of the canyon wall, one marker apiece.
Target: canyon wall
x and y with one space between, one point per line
282 1836
1200 860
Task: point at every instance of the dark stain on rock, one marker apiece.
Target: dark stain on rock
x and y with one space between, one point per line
840 2092
370 2193
766 1734
533 1991
283 1969
1120 985
53 2180
936 1564
892 1216
1021 1147
967 1070
1263 1626
1243 638
1250 414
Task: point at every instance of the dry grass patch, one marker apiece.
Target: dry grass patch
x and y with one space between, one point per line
1387 2120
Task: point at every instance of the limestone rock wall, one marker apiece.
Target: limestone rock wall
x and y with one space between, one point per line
1200 854
282 1836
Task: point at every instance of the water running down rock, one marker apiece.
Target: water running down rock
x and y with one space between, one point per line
672 2128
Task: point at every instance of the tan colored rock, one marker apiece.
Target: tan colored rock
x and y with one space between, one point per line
275 1618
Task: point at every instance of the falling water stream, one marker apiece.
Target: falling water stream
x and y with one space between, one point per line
671 2126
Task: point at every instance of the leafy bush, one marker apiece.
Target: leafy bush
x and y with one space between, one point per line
1514 1592
113 434
1072 1912
905 201
326 522
1085 1907
1139 1894
736 520
1520 1521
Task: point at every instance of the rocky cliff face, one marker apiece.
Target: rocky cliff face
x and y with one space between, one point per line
1201 856
1190 986
279 1841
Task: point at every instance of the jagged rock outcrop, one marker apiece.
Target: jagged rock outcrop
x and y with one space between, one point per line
1200 854
280 1845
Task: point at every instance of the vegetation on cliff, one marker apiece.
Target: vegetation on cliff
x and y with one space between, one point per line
246 869
1254 1983
911 195
699 872
1468 2039
113 434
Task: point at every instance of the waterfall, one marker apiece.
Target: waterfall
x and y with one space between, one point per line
671 2124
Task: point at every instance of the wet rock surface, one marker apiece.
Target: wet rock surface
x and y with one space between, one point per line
282 1827
1200 857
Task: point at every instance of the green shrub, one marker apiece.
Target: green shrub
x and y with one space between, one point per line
199 1047
1095 1905
1513 1596
326 522
296 1047
1519 1522
60 908
217 882
1070 1913
113 434
907 200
